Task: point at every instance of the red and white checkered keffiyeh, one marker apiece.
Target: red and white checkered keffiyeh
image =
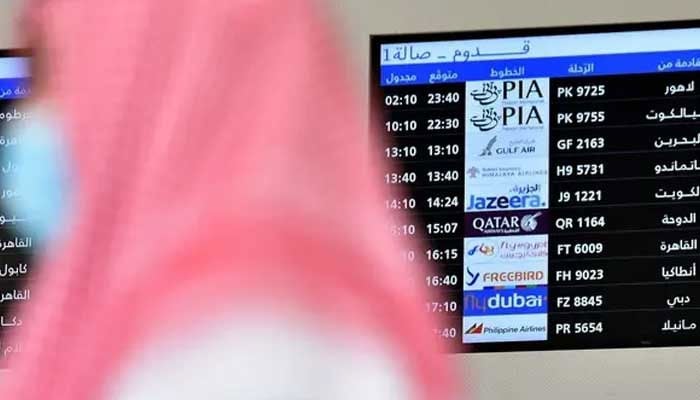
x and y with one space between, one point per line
219 157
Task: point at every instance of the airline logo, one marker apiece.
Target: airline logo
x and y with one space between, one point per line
490 276
475 329
507 196
492 170
531 300
504 328
501 223
471 278
503 106
499 146
502 249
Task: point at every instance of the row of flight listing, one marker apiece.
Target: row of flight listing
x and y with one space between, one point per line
505 272
510 212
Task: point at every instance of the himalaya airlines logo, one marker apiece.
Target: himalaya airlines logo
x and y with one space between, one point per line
518 109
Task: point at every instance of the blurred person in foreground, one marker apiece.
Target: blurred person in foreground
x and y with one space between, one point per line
222 236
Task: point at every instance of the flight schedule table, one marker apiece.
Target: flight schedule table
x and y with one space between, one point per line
624 202
555 189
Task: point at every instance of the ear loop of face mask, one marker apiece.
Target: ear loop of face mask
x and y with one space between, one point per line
38 182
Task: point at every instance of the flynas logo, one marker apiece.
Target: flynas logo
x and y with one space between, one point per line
505 301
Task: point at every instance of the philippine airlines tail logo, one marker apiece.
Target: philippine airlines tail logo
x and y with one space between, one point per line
476 329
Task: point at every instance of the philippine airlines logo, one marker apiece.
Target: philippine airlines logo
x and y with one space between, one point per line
505 328
475 329
506 301
506 223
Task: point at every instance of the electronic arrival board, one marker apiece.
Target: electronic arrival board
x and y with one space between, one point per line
553 176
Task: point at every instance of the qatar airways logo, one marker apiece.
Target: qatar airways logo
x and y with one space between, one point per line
506 223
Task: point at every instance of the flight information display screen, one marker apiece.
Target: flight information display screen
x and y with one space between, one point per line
553 176
16 247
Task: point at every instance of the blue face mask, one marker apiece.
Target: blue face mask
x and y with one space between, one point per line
36 174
